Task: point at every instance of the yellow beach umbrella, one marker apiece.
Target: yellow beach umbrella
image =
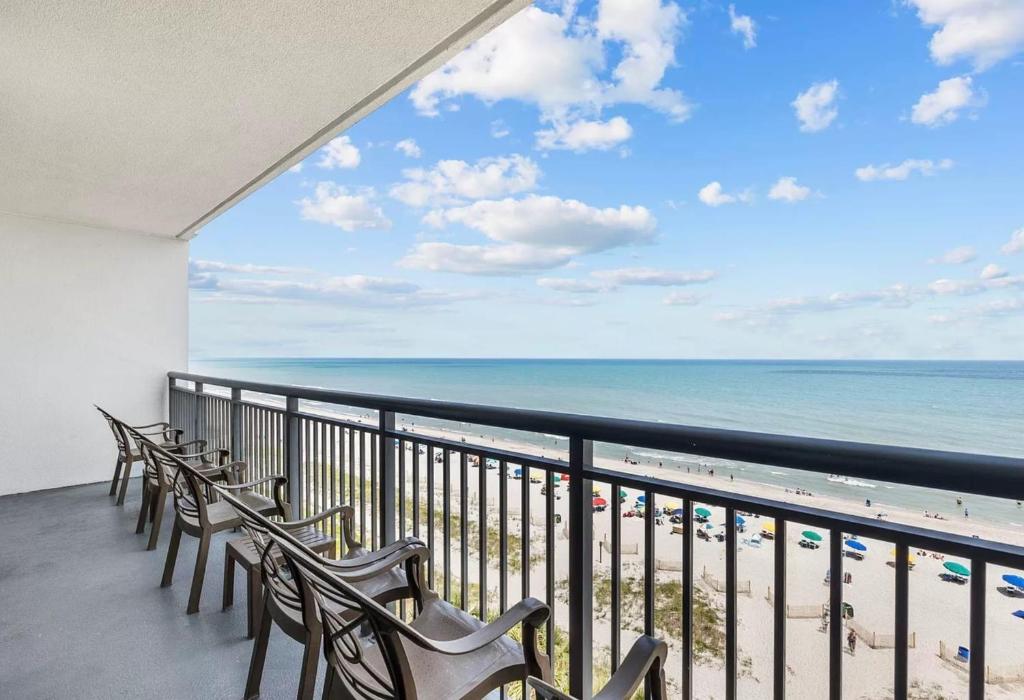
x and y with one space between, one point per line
770 527
670 506
911 559
597 491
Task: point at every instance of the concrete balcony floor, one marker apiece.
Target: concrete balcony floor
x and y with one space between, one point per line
82 614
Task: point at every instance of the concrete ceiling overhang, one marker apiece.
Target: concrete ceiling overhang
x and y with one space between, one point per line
153 117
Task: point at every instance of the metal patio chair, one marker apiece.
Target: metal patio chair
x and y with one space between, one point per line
158 474
386 575
645 660
198 515
161 433
443 653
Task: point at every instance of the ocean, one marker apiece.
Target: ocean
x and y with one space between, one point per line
958 406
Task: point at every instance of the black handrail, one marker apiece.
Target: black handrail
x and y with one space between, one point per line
988 475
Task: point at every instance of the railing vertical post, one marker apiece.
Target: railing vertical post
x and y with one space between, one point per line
291 455
581 568
198 418
388 480
236 425
171 383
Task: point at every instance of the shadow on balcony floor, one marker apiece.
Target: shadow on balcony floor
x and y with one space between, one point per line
82 614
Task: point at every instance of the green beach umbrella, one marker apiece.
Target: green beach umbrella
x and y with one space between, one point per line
703 512
812 535
957 568
622 493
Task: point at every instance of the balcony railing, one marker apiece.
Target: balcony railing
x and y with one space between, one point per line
385 457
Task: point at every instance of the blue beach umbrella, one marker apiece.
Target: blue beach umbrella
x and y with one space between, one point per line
1014 580
859 546
677 511
1018 613
740 520
641 499
518 473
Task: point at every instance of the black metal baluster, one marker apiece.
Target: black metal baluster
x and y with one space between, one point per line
463 530
976 680
616 572
502 536
730 603
835 613
687 631
430 514
779 611
446 513
416 489
549 564
482 496
525 527
649 573
902 621
581 566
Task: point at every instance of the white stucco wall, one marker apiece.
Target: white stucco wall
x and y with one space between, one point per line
86 316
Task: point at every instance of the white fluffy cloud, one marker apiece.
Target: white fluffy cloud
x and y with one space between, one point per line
512 259
956 256
611 280
339 152
681 299
552 222
529 234
1015 244
647 276
983 31
945 104
743 25
217 266
786 189
714 195
409 147
992 272
816 107
902 171
557 62
584 135
456 181
348 210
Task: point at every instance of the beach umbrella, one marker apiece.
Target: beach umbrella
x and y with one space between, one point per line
1014 580
911 559
1018 613
641 499
670 506
811 535
623 494
770 527
709 526
957 568
597 491
740 520
599 502
703 512
678 512
855 544
518 472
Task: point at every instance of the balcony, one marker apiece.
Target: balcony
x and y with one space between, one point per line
485 507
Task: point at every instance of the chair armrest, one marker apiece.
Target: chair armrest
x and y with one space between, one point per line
280 485
198 444
162 425
370 557
528 611
313 519
354 570
221 454
647 656
277 478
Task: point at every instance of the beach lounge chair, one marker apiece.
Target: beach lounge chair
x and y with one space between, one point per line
381 575
443 653
678 530
646 659
963 654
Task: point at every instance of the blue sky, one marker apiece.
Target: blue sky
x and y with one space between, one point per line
643 178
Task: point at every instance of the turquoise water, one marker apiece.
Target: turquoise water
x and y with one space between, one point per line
959 406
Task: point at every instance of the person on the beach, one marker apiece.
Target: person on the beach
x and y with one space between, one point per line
851 641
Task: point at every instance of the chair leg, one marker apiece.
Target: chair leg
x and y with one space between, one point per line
199 575
255 600
143 510
228 598
259 656
117 475
310 660
172 555
128 462
328 683
157 502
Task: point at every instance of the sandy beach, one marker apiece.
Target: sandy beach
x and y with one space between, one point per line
938 608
